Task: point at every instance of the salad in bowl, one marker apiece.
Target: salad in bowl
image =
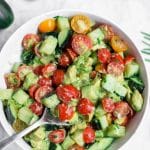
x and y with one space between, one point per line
82 72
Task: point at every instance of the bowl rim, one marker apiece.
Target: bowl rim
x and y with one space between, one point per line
21 142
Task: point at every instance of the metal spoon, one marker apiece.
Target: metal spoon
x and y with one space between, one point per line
45 119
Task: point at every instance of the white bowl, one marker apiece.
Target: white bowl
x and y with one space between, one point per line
11 53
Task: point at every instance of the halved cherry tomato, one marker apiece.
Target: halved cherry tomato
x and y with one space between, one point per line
12 80
37 108
88 135
32 90
72 54
38 70
85 106
76 147
128 59
57 136
64 60
104 55
108 104
101 68
58 77
48 70
80 23
118 44
81 43
67 92
108 31
23 71
65 112
117 58
45 81
30 40
121 109
47 25
42 92
115 68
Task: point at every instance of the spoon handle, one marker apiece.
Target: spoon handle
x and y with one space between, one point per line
16 136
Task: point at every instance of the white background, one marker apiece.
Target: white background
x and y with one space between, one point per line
133 16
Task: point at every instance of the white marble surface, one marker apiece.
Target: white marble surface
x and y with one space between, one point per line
132 15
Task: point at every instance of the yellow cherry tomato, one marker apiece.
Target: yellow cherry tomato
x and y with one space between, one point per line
118 44
81 24
47 25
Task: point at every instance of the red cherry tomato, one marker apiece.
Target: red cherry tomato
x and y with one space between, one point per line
65 112
23 71
58 77
48 70
128 59
30 40
64 60
121 109
115 68
71 54
76 147
45 81
117 58
67 92
38 70
32 90
57 136
42 92
85 106
88 135
81 43
108 104
12 80
104 55
37 108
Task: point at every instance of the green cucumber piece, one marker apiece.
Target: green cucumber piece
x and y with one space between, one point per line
6 17
48 46
51 101
131 69
102 145
103 121
63 23
63 37
20 96
137 101
25 115
6 94
68 142
115 131
96 35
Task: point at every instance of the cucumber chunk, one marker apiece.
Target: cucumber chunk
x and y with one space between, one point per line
78 137
137 101
63 37
63 23
102 145
48 46
6 94
68 142
103 121
96 35
25 114
115 131
20 96
51 101
131 69
30 79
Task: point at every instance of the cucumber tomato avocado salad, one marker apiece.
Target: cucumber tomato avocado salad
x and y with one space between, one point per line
80 71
